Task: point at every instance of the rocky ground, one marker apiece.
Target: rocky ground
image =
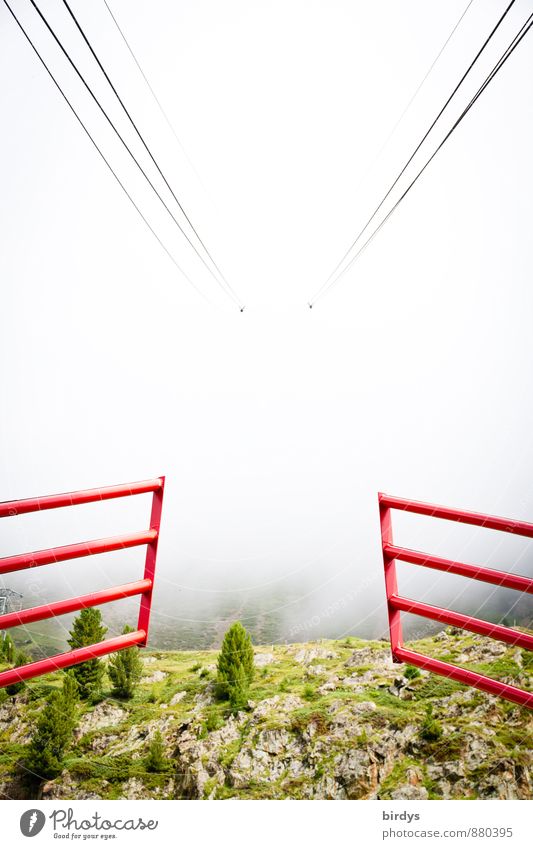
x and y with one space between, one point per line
325 720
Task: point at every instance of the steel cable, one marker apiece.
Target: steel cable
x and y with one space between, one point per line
115 175
497 67
325 286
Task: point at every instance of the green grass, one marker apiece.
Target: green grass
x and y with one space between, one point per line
301 720
105 774
436 687
504 667
229 753
396 777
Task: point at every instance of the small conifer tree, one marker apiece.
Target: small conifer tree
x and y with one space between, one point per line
18 658
238 690
87 629
156 761
125 669
431 728
235 668
7 648
53 731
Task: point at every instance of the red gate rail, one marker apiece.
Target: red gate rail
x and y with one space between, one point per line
78 549
81 496
397 603
29 560
71 658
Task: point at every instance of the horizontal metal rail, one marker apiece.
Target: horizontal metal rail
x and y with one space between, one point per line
465 676
396 604
78 549
479 573
495 523
28 560
459 620
68 605
83 496
70 658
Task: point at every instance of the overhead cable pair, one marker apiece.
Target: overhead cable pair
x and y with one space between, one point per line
216 273
524 29
339 272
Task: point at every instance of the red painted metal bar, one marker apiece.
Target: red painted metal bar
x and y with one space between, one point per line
29 560
59 608
466 676
82 496
391 581
151 555
396 603
459 620
70 658
78 549
495 523
479 573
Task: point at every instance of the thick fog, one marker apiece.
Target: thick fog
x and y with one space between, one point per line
276 427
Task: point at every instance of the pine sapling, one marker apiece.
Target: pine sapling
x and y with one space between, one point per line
87 629
125 669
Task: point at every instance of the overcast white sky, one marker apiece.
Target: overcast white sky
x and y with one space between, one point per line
275 427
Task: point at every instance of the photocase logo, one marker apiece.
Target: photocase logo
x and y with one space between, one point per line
32 822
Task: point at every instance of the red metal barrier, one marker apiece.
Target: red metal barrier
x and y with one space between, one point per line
396 603
30 560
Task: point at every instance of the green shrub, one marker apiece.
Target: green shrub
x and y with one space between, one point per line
412 672
155 760
87 629
19 659
13 689
7 648
235 668
213 720
309 692
431 728
125 669
53 731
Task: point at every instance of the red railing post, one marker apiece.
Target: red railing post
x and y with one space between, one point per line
149 567
391 581
397 603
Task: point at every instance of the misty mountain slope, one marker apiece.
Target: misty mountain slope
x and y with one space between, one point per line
285 613
325 720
